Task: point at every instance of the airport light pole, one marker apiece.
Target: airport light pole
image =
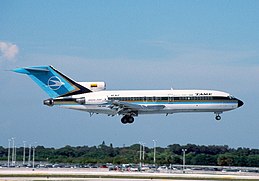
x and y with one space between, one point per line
33 157
29 159
13 153
184 150
23 152
143 152
15 148
140 153
154 152
9 148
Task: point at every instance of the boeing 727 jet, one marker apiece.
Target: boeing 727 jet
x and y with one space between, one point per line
93 97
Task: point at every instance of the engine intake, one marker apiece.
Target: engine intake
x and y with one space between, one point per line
80 100
94 86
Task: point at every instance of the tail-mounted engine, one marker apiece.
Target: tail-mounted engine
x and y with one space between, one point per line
64 101
94 86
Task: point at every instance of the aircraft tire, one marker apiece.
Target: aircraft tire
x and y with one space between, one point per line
124 120
218 117
127 119
130 119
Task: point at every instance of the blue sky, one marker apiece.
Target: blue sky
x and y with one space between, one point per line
130 45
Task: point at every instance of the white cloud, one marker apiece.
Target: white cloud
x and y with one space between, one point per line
8 50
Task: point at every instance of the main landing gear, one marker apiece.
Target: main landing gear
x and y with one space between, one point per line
127 119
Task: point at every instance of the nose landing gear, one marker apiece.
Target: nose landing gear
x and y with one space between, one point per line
218 117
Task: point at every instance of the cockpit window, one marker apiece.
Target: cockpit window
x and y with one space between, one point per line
231 97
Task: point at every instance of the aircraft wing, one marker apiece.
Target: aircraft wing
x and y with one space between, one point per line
124 107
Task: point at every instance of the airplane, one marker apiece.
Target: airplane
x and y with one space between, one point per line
93 97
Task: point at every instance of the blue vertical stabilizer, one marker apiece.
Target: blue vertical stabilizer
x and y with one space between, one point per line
53 82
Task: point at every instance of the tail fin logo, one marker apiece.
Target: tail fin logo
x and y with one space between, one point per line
55 83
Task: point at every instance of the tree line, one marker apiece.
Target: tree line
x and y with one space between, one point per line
172 154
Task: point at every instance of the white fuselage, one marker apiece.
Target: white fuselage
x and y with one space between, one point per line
156 101
93 98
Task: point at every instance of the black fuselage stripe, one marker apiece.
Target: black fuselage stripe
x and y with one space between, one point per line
81 90
175 99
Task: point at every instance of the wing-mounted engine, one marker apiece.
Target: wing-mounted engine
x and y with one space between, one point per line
94 86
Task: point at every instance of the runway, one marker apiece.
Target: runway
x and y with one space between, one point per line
104 174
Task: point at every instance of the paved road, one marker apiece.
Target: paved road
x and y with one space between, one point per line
104 174
78 179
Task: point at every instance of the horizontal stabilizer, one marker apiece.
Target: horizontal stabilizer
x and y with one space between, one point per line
37 69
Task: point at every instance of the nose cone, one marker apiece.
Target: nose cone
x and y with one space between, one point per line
240 103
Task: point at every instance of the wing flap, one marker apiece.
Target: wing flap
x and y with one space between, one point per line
156 107
127 105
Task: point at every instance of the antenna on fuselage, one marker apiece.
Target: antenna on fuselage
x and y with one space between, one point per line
172 86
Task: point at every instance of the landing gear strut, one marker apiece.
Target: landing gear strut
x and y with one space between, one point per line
127 119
